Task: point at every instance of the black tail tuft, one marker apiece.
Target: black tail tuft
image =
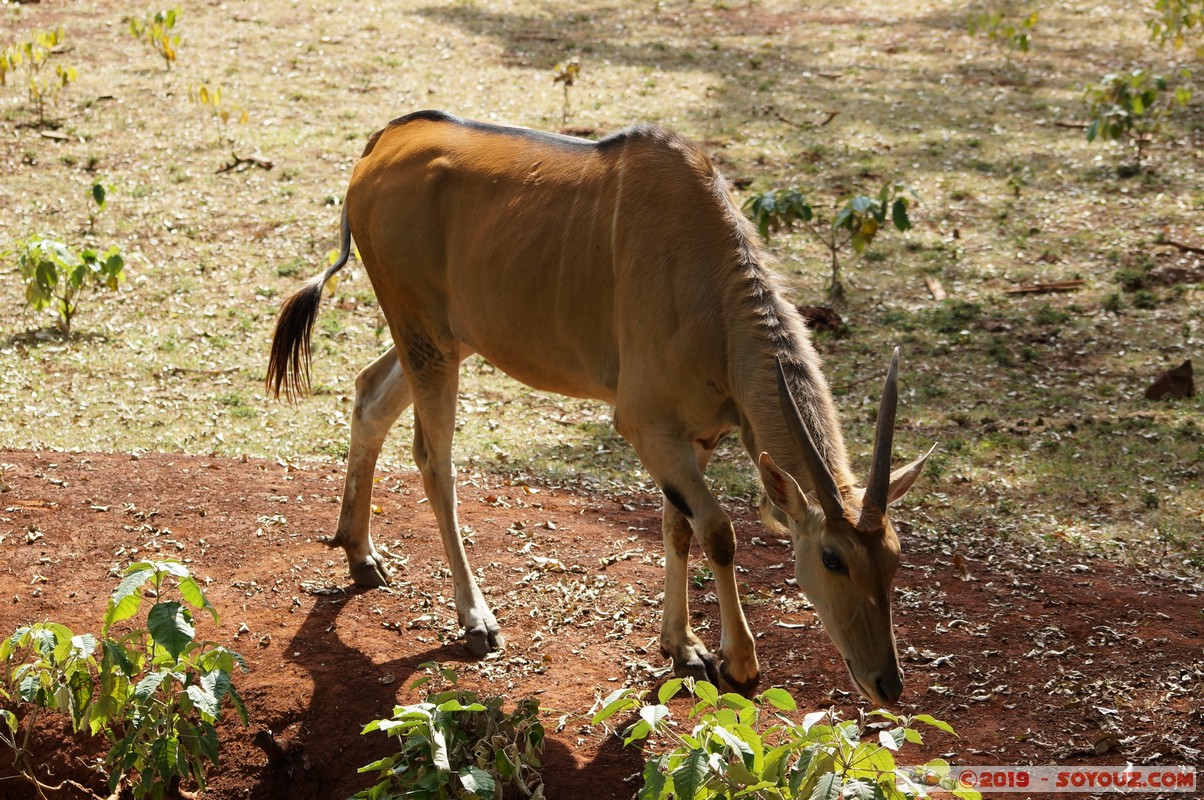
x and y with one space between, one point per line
288 364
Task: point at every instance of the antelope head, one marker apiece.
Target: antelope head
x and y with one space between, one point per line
846 550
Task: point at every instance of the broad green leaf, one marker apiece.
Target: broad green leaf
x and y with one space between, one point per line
28 687
616 701
637 732
654 779
206 704
81 686
898 214
862 204
828 787
936 723
165 756
127 597
741 774
504 766
669 690
689 777
706 692
737 745
83 646
147 686
171 627
860 789
809 720
477 781
439 756
779 699
116 655
190 590
9 718
654 714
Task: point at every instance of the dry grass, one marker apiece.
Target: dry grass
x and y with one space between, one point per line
1037 399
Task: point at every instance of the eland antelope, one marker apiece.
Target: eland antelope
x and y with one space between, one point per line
619 270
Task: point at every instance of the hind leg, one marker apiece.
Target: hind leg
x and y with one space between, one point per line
381 394
435 368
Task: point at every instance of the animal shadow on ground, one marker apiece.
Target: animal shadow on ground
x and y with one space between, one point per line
315 747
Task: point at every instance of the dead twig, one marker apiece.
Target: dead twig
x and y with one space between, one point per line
1080 126
828 117
239 163
1045 288
1186 248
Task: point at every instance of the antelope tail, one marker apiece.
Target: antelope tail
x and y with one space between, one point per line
288 365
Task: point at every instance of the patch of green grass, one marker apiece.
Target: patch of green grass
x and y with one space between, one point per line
1002 199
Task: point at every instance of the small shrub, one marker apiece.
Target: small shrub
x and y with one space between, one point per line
567 73
157 30
209 98
1179 23
456 744
727 754
160 689
854 223
155 693
1133 106
57 278
32 56
998 27
46 668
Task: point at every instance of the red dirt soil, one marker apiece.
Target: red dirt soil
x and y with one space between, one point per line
1035 655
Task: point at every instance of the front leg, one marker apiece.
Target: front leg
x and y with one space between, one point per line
676 467
678 641
381 395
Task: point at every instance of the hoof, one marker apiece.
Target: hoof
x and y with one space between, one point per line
370 574
745 688
700 666
482 641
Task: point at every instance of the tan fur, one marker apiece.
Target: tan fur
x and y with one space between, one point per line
619 270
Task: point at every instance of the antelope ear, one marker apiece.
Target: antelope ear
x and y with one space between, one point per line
902 478
781 488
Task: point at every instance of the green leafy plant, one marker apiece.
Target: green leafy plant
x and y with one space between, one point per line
56 278
456 744
155 693
1133 106
47 668
854 222
209 98
1179 23
728 754
157 29
32 57
1000 27
160 689
567 73
99 195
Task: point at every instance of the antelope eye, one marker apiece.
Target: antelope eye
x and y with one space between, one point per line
833 562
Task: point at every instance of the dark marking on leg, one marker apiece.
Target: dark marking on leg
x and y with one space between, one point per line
720 545
422 352
679 502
